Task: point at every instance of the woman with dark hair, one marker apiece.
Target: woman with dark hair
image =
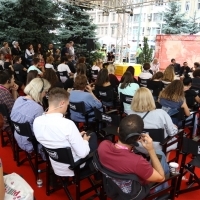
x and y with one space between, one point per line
104 89
130 69
39 49
31 75
8 62
79 94
50 75
155 84
127 87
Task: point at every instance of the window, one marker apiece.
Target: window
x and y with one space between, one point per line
102 29
198 6
136 17
106 30
144 17
187 6
106 18
113 17
102 18
112 30
159 2
155 31
135 31
99 18
157 17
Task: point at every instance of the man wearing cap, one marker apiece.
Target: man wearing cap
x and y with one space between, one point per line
119 157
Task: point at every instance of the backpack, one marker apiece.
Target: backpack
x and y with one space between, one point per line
120 186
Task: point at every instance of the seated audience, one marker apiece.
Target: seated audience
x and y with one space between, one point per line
70 63
63 67
168 75
79 94
155 65
191 95
8 62
80 70
196 66
50 75
31 75
127 87
27 108
196 79
172 99
8 89
1 61
35 66
155 84
54 131
113 79
29 53
120 157
103 86
145 75
143 105
49 62
184 69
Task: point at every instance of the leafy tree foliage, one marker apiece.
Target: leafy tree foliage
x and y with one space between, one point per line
175 22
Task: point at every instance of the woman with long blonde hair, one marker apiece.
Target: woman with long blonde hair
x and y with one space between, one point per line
143 105
168 75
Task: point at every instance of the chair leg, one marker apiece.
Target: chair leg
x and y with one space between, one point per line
66 189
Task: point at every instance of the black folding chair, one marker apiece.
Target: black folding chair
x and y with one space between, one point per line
142 82
107 124
24 129
20 75
124 99
111 185
63 74
79 107
64 155
158 135
8 131
94 74
190 147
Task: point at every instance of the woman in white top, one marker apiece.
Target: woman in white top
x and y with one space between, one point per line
29 53
49 62
155 65
127 87
142 103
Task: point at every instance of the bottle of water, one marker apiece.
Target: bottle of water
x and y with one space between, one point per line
39 180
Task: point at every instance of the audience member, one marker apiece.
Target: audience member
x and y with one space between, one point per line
5 49
16 51
172 98
155 65
80 70
29 53
63 67
65 50
49 62
130 69
50 75
127 87
35 91
39 50
54 131
168 75
70 63
196 79
51 49
113 79
130 134
155 84
184 69
8 89
176 66
1 61
35 66
31 75
79 94
196 66
145 74
8 62
143 105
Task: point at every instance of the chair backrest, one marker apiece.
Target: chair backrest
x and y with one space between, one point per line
1 68
108 118
106 95
157 135
94 73
78 107
4 111
126 98
62 155
64 73
23 129
190 146
120 186
142 82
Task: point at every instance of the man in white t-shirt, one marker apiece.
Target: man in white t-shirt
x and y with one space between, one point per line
63 67
54 131
35 66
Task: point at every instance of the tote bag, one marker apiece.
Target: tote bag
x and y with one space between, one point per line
16 188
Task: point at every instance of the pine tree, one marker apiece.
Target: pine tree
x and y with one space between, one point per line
75 24
147 53
175 22
193 27
28 21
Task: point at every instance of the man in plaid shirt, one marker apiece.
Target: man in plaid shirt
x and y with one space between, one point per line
8 89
